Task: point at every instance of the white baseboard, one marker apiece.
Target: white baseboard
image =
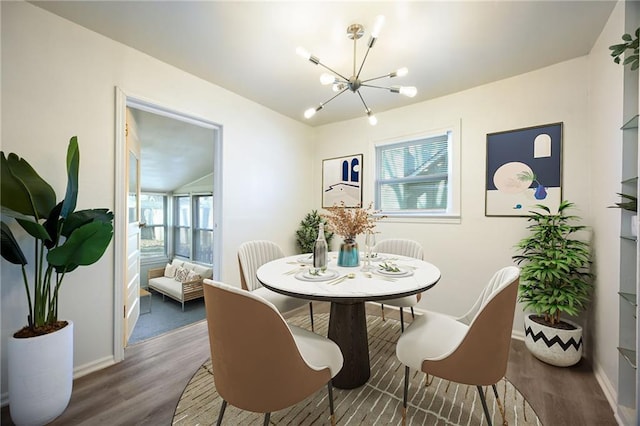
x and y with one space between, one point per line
93 366
517 334
607 388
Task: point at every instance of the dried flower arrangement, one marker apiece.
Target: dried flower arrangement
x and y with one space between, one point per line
349 222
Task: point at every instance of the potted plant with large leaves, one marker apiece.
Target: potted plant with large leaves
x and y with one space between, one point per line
40 355
555 279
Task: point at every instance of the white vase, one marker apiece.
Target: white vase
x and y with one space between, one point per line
40 373
554 346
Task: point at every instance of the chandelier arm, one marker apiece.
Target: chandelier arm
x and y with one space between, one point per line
333 97
366 108
376 87
375 78
363 61
355 39
333 71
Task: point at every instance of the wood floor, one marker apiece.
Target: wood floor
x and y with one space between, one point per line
145 388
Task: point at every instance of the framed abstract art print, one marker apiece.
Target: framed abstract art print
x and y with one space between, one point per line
524 168
342 181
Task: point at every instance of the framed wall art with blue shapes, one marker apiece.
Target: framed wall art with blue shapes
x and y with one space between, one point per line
342 181
524 168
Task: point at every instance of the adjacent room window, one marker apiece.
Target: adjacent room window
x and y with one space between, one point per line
203 229
182 226
152 235
193 227
413 177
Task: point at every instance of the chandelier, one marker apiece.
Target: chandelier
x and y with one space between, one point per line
341 83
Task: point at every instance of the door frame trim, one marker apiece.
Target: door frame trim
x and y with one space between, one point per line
124 100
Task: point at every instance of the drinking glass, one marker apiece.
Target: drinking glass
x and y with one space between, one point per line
369 243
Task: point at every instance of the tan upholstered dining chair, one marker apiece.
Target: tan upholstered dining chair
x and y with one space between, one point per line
251 256
472 349
260 363
401 247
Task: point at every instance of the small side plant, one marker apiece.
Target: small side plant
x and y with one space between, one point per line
628 202
630 43
554 277
308 232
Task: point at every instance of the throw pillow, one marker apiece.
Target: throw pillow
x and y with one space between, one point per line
170 271
193 276
181 274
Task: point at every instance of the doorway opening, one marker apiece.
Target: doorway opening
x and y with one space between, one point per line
178 211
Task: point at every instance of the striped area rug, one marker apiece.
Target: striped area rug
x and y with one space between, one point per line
378 402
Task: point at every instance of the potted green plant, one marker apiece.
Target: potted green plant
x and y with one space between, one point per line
40 355
307 232
554 280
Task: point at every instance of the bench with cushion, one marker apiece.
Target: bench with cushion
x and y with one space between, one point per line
179 280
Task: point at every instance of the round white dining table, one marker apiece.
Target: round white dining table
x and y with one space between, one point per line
348 288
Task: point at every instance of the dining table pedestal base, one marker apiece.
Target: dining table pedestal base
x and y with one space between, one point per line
348 329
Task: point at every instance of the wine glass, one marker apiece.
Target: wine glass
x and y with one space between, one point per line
369 242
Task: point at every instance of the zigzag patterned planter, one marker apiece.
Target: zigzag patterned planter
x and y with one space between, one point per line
554 346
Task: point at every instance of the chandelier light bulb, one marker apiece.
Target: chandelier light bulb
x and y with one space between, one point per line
372 119
377 26
326 79
300 51
402 72
337 87
309 113
409 91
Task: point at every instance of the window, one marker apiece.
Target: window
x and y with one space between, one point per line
152 235
413 177
182 226
203 230
193 227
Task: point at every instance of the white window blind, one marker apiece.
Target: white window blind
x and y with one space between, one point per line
413 176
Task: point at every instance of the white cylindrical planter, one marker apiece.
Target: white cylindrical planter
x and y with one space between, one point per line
554 346
40 373
634 225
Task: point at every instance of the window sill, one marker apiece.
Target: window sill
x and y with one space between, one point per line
151 260
420 218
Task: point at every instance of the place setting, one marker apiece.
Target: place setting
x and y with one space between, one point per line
317 274
389 269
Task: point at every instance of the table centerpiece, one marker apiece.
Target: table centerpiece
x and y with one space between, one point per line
349 222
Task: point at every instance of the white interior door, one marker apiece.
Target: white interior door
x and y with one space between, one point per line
132 276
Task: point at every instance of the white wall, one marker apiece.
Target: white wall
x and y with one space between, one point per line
469 252
58 80
605 137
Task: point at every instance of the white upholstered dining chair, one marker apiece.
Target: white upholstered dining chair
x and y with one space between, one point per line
401 247
472 349
251 256
260 363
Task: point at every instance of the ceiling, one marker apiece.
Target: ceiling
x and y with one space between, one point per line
249 47
173 153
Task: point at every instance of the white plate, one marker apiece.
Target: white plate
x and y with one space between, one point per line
400 274
307 259
327 275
